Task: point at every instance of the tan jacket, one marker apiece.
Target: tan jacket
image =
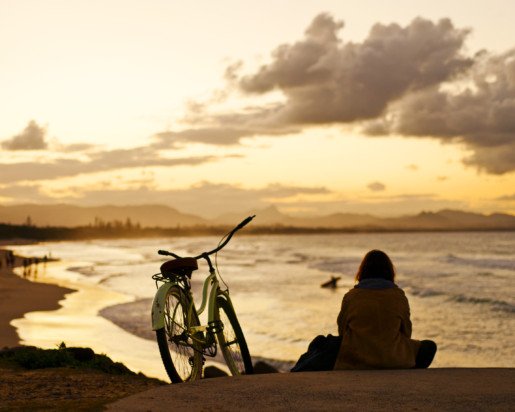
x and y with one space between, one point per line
376 330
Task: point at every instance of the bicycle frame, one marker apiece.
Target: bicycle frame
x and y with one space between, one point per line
210 291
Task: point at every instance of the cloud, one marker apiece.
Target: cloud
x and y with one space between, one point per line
204 198
277 190
413 80
509 198
412 167
480 115
97 162
72 148
24 193
214 199
226 136
327 81
31 138
208 198
376 186
215 135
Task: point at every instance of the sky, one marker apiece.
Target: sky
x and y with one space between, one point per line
316 107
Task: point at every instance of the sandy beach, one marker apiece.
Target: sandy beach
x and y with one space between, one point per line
19 296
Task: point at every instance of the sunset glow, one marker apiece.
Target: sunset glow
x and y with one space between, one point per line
317 108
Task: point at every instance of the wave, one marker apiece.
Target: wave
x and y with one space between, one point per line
425 293
83 270
340 265
134 317
508 264
494 304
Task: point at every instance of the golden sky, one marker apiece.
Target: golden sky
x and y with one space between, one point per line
211 107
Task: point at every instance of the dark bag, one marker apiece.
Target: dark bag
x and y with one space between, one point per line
321 354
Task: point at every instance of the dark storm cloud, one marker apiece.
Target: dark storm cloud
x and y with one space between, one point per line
481 115
31 138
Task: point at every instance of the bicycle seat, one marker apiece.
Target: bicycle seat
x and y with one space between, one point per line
179 267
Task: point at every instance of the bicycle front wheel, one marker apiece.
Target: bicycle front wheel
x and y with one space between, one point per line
180 352
231 340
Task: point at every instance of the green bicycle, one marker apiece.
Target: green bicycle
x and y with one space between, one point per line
183 342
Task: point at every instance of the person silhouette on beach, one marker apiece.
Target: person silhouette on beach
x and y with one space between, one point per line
374 326
374 322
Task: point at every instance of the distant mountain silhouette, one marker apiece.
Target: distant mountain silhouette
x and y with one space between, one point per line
272 216
72 216
452 219
164 216
442 220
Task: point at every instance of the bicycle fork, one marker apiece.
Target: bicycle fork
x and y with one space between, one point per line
213 326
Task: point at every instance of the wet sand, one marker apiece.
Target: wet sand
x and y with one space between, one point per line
19 296
40 314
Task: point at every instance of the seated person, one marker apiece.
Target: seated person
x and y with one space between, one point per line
374 322
374 327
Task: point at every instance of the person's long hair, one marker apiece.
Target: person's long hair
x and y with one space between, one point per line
376 264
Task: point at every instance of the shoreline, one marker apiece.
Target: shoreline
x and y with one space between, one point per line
19 296
44 310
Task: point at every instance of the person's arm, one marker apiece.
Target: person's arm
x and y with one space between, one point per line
406 327
342 317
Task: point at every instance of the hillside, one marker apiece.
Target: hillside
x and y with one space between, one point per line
147 216
72 216
442 220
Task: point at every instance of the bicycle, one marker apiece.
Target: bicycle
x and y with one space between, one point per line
183 342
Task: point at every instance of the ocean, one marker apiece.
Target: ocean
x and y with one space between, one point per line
460 285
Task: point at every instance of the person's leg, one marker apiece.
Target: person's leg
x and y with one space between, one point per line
425 354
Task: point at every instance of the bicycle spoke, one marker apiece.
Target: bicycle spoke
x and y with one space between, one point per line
182 358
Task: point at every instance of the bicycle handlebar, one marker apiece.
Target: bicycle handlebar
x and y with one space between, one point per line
205 254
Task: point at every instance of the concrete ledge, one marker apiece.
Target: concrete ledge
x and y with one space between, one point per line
439 389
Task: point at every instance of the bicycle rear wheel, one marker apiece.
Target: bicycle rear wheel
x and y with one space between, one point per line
231 340
181 354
